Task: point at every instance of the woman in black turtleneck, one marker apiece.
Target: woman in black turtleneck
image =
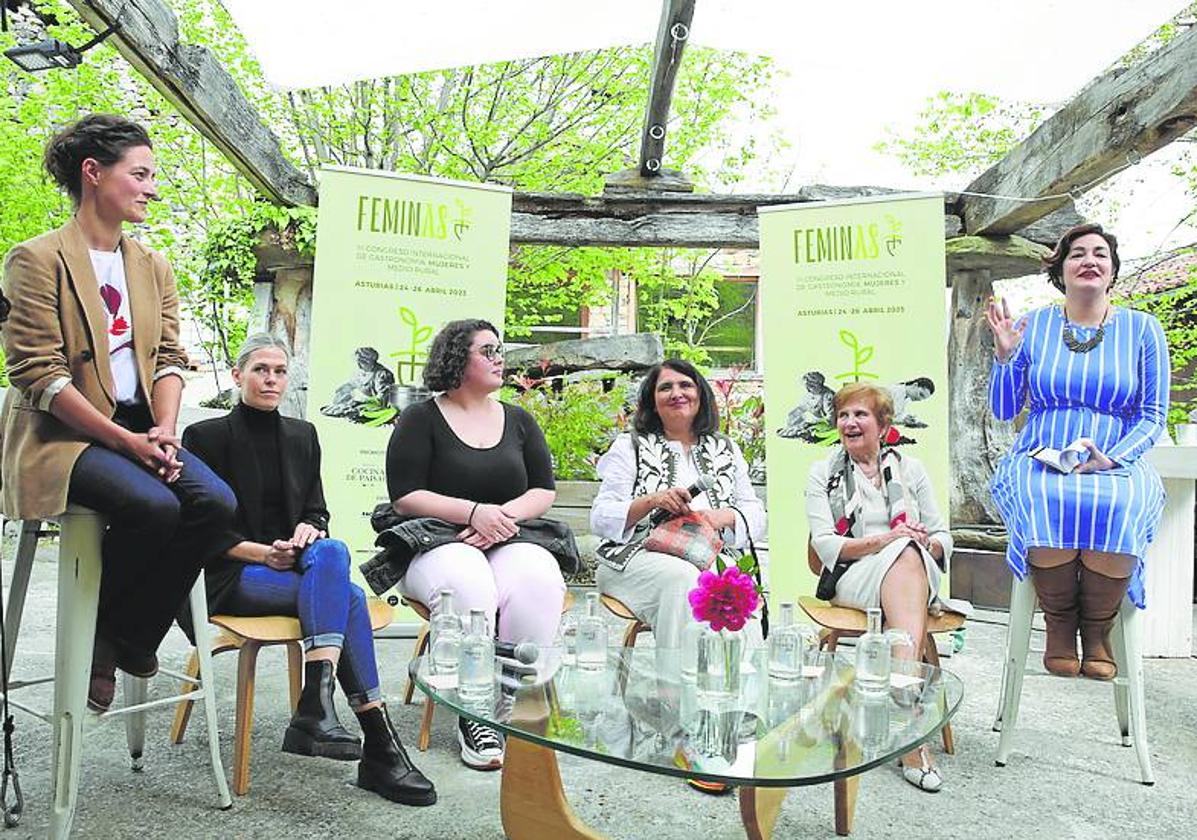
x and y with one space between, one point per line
278 560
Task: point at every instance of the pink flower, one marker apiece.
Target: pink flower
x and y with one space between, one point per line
724 600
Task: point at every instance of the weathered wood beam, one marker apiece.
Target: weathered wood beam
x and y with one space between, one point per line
689 220
672 36
191 78
1127 112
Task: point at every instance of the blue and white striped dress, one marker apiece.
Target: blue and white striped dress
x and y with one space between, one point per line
1116 394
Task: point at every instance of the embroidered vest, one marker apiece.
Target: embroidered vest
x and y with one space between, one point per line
656 470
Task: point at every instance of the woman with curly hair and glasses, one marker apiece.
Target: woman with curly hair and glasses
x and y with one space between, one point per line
466 458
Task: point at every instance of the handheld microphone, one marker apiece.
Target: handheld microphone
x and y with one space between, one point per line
703 483
525 652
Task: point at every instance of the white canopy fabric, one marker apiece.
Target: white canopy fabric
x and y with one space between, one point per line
1032 50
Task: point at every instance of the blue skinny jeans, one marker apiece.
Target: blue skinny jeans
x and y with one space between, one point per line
331 610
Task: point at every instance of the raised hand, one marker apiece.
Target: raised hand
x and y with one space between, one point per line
1007 334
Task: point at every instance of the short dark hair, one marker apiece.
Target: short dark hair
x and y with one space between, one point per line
1054 262
450 351
104 137
648 421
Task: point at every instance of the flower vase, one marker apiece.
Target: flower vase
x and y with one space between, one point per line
718 693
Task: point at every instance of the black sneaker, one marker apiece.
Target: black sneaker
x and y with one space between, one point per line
481 746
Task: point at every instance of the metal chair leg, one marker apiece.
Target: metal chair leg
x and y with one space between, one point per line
78 600
203 649
1022 609
136 691
1128 655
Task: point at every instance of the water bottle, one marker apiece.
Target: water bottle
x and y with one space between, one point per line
476 665
688 707
787 648
873 655
592 636
445 632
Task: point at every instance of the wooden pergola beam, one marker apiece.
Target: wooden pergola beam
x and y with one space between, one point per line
686 220
192 80
1120 116
672 36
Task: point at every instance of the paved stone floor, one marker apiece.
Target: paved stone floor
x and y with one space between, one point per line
1067 778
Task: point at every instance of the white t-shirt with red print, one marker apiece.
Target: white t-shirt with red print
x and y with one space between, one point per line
109 267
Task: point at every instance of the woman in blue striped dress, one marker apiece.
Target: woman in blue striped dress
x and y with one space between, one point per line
1097 374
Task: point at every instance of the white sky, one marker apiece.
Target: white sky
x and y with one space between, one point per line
854 66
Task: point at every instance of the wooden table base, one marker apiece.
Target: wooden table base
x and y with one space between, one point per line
534 806
531 800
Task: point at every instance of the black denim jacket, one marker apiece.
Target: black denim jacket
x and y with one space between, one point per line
403 537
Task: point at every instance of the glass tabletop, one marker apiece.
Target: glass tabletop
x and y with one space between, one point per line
639 711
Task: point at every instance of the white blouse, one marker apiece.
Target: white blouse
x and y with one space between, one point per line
617 469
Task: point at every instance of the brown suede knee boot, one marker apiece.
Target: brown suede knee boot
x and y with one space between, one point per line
1101 597
1058 590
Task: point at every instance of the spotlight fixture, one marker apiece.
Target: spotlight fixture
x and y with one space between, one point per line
51 53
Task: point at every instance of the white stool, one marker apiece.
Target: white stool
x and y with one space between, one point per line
79 568
1128 685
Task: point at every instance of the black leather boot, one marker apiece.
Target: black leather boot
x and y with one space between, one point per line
385 768
314 728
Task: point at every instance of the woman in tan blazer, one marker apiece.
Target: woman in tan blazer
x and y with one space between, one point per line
95 369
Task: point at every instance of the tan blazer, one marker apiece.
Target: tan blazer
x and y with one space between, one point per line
58 329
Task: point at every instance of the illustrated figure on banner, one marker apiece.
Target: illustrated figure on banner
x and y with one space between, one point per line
812 421
371 388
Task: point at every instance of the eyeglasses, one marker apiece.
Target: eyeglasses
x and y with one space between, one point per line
490 352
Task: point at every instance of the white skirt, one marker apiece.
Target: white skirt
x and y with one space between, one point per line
860 587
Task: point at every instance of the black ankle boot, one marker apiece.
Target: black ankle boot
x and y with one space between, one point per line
314 728
385 767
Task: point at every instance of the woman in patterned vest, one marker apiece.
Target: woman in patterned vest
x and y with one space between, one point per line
655 467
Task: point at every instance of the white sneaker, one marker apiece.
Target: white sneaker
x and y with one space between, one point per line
481 746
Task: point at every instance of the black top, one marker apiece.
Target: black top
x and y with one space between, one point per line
263 439
425 454
230 446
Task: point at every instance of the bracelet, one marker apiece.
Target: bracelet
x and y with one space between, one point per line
470 521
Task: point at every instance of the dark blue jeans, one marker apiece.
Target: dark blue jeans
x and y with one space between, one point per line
331 610
159 537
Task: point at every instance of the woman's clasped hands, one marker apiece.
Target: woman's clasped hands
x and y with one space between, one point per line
488 525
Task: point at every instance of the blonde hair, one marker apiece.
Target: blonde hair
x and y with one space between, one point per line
878 399
260 341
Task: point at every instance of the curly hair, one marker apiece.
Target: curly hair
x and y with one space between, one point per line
450 351
102 137
1054 262
648 421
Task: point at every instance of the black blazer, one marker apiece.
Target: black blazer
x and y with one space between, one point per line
224 444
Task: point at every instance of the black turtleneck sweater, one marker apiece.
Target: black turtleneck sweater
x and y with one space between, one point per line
263 433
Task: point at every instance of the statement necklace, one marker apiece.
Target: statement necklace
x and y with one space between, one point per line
1075 344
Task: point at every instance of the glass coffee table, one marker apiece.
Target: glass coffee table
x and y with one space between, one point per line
773 736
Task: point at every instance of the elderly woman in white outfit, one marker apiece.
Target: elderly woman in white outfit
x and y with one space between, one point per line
876 529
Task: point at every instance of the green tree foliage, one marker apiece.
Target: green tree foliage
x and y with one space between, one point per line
962 132
197 187
557 123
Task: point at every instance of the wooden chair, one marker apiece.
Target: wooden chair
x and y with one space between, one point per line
620 609
249 635
846 622
422 640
